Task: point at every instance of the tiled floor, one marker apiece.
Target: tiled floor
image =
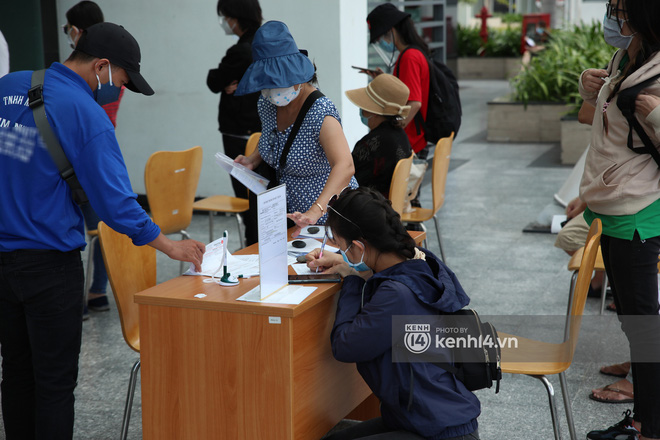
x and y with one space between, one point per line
493 191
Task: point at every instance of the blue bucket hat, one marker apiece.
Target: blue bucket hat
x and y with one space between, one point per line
277 62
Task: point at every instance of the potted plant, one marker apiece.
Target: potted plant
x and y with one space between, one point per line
546 89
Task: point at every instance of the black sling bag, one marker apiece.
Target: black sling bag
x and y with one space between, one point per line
36 103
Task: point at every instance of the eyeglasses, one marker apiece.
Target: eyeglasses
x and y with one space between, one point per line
332 201
613 11
65 28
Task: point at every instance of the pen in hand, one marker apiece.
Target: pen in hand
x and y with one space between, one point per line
325 239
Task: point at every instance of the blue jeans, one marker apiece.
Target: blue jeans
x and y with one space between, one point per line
375 429
41 295
100 276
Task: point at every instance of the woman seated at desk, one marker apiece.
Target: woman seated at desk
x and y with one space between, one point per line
318 163
392 277
382 108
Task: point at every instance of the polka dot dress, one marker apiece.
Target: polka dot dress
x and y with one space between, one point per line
307 167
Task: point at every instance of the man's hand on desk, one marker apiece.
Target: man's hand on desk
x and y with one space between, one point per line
191 251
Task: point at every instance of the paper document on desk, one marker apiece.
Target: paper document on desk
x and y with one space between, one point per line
286 295
253 181
246 265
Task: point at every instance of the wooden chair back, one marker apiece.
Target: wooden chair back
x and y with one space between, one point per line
252 143
131 269
583 281
440 171
171 179
399 184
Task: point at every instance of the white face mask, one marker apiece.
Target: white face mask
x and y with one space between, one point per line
281 97
72 42
229 30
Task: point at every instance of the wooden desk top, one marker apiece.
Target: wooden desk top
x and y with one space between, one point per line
181 291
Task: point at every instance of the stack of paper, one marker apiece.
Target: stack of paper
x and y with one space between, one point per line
253 181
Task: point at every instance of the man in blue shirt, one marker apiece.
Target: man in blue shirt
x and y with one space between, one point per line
41 227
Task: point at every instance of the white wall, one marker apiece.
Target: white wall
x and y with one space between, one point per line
181 40
590 11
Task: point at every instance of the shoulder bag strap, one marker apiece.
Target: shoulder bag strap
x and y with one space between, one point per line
626 103
316 94
36 103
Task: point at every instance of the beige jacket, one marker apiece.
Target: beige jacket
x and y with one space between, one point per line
617 181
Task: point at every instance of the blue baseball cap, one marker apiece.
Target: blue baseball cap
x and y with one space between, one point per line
277 62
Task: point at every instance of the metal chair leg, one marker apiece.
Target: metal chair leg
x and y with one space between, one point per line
184 236
90 267
129 400
240 230
210 226
567 405
553 406
603 292
571 292
437 230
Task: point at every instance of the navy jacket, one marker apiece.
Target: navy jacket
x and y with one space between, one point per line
442 407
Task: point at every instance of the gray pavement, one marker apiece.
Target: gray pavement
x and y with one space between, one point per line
493 191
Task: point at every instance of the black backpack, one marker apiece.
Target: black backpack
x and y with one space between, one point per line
480 368
626 103
443 115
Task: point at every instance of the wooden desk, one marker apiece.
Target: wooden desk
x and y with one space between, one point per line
217 368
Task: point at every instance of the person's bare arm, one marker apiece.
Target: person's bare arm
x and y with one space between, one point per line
586 113
336 149
415 106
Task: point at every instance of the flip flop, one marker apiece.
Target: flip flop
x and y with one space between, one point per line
616 370
610 388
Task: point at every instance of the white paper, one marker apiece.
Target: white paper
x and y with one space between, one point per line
211 261
286 295
271 219
302 269
556 223
253 181
245 265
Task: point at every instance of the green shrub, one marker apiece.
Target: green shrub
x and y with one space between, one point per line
501 42
553 74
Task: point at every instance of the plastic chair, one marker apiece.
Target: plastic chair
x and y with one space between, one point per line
171 179
557 358
228 204
399 184
92 238
438 179
131 269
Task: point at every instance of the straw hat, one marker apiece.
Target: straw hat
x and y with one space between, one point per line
386 95
277 62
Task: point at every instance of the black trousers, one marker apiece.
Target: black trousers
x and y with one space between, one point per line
41 295
632 268
233 147
375 429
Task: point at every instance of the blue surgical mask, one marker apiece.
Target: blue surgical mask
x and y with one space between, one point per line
612 33
106 93
361 266
387 46
365 119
